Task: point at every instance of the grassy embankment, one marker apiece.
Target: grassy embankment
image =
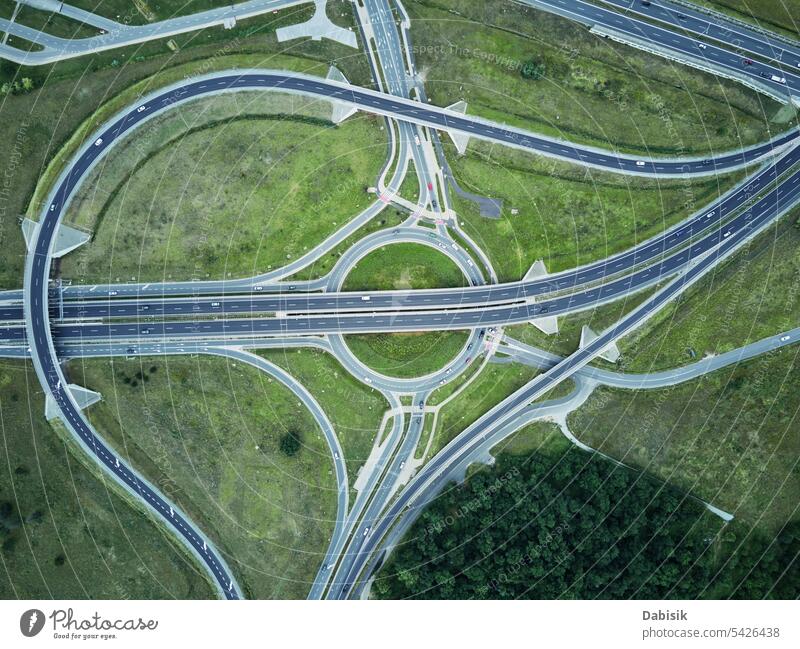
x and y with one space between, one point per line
72 98
210 432
261 182
592 90
751 296
566 215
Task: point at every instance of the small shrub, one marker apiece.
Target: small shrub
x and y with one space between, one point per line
291 443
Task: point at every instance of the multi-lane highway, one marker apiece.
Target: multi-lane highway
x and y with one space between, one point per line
289 300
673 37
440 315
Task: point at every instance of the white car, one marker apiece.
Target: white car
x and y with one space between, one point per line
785 338
98 141
258 288
640 163
141 109
702 46
366 531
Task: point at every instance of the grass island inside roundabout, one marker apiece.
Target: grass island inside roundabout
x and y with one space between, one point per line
404 266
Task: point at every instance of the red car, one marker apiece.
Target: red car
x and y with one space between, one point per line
430 186
747 61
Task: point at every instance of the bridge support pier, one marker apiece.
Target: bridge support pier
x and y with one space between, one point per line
83 396
546 324
67 238
461 140
341 111
610 353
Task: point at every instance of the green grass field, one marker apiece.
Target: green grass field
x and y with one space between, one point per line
410 187
752 296
140 12
537 437
354 409
593 90
208 431
255 191
54 24
65 533
567 215
388 218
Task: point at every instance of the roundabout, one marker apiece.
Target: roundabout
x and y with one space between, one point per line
405 266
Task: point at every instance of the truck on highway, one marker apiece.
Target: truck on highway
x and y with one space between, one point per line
778 79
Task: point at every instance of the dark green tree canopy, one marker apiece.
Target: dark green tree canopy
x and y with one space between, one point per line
574 527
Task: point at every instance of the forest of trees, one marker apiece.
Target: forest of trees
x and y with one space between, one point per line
578 527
